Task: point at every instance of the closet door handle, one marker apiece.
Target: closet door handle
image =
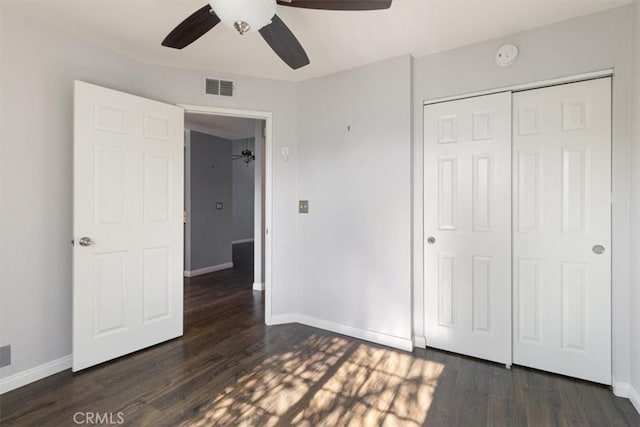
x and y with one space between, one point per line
85 241
431 240
598 249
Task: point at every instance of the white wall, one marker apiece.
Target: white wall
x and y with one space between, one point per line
635 217
354 246
259 207
39 65
243 192
590 43
36 110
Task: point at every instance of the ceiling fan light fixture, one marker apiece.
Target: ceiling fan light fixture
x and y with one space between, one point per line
244 15
242 27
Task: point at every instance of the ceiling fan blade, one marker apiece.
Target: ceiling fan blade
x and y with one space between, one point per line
192 28
338 4
284 43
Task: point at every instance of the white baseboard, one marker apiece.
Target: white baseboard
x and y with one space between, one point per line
634 397
420 342
207 270
258 287
34 374
620 389
363 334
237 242
282 319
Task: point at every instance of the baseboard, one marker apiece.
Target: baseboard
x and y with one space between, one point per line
620 389
237 242
34 374
363 334
634 397
282 319
207 270
419 342
258 287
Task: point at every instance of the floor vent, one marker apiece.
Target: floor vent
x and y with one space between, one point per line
218 87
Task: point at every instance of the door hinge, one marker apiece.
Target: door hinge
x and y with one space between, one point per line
184 217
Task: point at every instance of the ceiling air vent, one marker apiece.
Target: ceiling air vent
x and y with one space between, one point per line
218 87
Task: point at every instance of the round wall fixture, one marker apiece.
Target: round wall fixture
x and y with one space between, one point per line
506 55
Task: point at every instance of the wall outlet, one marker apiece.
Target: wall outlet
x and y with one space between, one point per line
5 356
303 206
219 205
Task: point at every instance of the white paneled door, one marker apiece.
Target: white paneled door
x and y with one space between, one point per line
467 208
127 225
562 229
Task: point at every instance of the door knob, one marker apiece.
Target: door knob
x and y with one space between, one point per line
431 240
598 249
85 241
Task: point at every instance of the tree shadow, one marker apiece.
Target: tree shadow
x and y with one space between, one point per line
328 380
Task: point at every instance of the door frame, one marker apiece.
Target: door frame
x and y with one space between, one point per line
419 237
268 189
527 86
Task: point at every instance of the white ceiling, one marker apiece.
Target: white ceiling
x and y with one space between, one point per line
334 40
222 126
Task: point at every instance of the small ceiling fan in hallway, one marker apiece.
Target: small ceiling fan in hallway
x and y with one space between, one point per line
260 15
246 155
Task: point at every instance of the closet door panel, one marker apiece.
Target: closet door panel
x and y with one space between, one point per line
562 229
467 205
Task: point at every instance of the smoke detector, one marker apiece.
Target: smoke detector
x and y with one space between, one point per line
506 55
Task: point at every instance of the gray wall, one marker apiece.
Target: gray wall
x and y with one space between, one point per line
210 183
243 192
354 167
594 42
635 215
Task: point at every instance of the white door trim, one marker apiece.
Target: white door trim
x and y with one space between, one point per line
527 86
268 198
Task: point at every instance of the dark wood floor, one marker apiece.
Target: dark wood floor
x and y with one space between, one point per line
230 369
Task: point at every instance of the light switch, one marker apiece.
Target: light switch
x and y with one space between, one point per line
303 206
219 205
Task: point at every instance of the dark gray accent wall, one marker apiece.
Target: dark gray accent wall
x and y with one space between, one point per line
211 177
243 192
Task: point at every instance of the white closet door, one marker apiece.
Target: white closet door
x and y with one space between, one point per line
467 208
562 229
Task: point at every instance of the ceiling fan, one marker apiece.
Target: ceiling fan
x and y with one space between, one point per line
260 15
246 156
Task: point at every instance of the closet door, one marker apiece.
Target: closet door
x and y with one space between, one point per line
467 208
562 229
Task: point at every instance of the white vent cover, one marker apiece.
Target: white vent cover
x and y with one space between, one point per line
218 87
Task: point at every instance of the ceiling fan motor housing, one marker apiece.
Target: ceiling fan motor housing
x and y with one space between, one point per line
244 15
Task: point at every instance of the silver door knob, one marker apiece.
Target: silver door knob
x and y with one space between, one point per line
598 249
85 241
431 240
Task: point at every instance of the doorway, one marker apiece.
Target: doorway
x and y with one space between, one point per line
236 213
